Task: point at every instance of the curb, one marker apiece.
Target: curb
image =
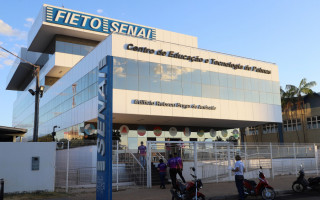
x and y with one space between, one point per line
228 197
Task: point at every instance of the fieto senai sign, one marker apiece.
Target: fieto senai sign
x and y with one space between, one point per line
95 23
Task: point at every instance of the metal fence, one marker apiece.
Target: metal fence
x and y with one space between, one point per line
212 160
76 166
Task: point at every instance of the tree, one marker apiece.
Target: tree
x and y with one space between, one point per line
303 88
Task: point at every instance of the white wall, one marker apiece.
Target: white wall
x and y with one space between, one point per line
15 166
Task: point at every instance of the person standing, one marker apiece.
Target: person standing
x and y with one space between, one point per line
172 163
162 173
142 151
168 148
179 166
239 169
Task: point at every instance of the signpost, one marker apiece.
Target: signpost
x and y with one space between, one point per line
104 137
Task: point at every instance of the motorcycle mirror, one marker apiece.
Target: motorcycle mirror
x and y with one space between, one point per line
192 168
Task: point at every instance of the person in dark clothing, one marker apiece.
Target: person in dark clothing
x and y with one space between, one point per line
162 172
179 166
172 163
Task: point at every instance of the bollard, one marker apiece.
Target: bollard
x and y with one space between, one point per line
2 189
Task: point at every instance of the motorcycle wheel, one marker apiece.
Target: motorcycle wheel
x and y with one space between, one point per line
297 187
268 194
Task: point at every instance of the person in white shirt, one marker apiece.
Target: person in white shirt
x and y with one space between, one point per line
238 170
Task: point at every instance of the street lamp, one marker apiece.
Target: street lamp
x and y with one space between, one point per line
54 132
38 94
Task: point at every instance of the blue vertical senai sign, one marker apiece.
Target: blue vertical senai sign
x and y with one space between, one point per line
104 129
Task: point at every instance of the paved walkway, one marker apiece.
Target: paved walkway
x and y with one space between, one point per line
224 190
213 191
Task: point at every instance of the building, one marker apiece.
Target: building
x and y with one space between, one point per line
301 123
164 86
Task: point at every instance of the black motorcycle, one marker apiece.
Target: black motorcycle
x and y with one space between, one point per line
301 184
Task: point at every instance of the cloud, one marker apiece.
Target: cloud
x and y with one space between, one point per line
29 21
7 30
99 11
4 54
1 43
1 66
8 62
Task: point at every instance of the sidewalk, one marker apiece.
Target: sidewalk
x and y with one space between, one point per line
212 191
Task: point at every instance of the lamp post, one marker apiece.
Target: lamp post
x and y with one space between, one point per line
38 94
54 132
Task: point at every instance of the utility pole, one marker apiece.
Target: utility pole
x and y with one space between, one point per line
37 93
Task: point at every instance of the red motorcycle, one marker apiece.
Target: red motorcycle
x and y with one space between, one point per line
188 191
263 188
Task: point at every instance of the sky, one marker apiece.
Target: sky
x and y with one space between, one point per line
285 32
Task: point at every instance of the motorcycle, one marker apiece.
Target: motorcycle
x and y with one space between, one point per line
301 184
263 188
189 190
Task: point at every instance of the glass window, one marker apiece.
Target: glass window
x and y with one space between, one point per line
206 91
67 48
59 46
268 86
76 49
144 84
239 82
132 82
318 121
224 93
166 72
240 95
215 92
255 84
231 81
205 77
166 86
314 122
176 73
269 98
247 83
196 90
155 85
187 88
309 123
248 96
132 67
275 87
263 97
232 94
262 85
196 76
176 87
186 74
214 78
155 71
255 97
143 68
223 80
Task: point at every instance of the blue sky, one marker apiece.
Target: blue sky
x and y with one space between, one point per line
285 32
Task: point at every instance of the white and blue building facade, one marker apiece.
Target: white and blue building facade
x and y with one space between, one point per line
164 86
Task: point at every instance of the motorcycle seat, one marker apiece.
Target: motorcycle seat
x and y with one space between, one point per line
251 182
314 180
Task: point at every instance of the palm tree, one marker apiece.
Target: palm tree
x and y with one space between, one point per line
304 88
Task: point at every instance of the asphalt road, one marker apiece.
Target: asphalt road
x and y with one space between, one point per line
312 195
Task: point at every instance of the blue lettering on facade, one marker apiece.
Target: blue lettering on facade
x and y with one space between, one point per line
95 23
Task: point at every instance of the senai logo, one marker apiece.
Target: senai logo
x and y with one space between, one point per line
95 23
